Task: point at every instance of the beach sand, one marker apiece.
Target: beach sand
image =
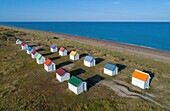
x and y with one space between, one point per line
130 49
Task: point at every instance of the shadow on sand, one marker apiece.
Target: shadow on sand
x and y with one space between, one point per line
152 75
63 64
33 45
54 58
77 72
120 67
70 46
83 55
46 54
99 60
93 80
40 50
56 37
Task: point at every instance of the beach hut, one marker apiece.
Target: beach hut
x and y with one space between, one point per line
40 59
141 79
29 50
24 46
53 48
89 61
34 54
49 65
62 51
74 55
62 75
110 69
18 41
77 85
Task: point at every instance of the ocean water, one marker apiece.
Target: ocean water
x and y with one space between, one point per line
147 34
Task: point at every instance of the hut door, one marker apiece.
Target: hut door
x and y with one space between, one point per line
52 67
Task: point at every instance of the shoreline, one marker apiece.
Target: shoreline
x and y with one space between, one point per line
120 47
115 46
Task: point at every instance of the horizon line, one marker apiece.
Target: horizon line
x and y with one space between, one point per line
94 21
84 20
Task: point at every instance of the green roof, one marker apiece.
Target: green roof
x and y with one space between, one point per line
39 56
75 81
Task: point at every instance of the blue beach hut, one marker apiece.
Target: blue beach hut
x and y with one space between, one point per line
29 50
53 48
110 69
89 61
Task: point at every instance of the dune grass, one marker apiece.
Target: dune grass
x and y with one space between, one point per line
25 85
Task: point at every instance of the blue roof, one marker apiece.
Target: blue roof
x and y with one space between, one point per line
53 46
110 66
29 48
88 58
18 40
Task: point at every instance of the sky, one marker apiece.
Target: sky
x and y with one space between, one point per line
84 10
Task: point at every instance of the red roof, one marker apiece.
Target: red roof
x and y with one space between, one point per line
60 71
33 52
23 43
47 62
62 49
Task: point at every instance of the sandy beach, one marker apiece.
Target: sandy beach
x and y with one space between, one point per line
131 49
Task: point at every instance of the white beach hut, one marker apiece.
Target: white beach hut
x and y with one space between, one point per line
74 55
49 65
24 46
18 41
53 48
34 54
77 85
110 69
62 75
62 51
29 50
40 59
141 79
89 61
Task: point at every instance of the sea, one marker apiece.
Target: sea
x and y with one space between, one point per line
154 35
